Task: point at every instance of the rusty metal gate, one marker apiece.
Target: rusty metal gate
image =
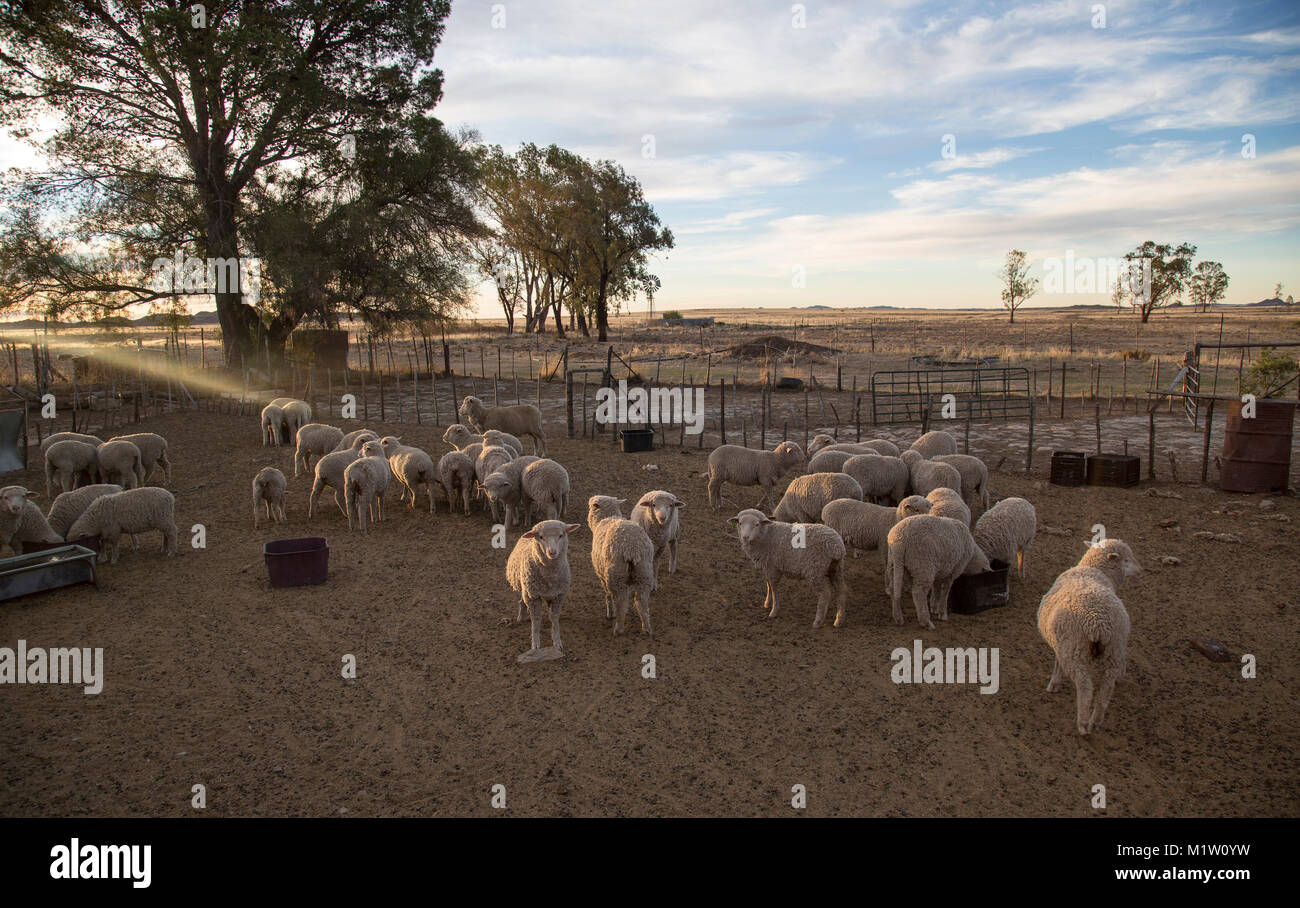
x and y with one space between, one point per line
976 393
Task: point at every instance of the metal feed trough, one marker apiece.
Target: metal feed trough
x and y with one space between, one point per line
47 570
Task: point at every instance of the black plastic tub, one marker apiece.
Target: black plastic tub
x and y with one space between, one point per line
297 562
789 383
974 593
37 572
1068 468
1123 470
637 440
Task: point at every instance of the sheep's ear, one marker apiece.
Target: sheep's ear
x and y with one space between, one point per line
678 503
32 494
734 521
621 501
573 527
530 535
1112 555
767 520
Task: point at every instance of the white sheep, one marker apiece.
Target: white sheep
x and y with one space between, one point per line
153 454
659 514
824 442
974 479
365 481
546 487
456 476
807 495
460 436
622 556
828 461
505 439
913 505
131 511
93 440
412 467
296 414
490 459
770 546
929 553
355 439
883 479
747 467
928 475
315 438
273 423
538 570
67 507
21 520
519 420
945 502
863 526
1005 531
329 472
505 487
120 462
68 461
1085 623
936 442
269 492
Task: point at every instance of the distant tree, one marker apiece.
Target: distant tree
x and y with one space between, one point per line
1277 291
1207 285
1156 275
1017 285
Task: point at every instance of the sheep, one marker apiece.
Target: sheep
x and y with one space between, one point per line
505 439
863 526
460 437
546 487
807 495
823 442
129 511
930 552
153 453
538 570
21 520
974 479
505 486
93 440
119 461
490 459
364 482
70 505
329 472
913 505
928 475
411 467
747 467
828 461
658 513
945 502
66 461
883 479
1085 623
1005 531
937 442
769 545
315 438
269 491
519 420
623 557
296 414
355 439
273 421
456 476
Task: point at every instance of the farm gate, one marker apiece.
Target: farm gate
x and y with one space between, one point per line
978 393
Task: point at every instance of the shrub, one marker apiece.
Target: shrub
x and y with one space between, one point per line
1269 374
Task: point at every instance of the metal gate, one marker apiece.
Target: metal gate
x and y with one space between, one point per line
976 393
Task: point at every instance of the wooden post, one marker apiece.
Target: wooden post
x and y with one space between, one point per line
1097 414
1205 443
1151 442
397 378
415 382
433 392
1029 454
722 408
1062 389
365 398
762 445
805 421
329 392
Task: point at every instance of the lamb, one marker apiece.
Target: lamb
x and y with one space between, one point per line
459 436
21 520
119 462
913 505
747 467
519 420
296 414
505 486
70 505
67 461
364 482
546 487
269 491
768 545
807 495
491 459
828 461
864 527
456 476
974 479
153 453
622 556
928 475
273 422
824 442
315 438
412 467
355 439
945 502
538 570
1005 531
329 472
130 511
658 513
883 479
93 440
930 552
1085 623
933 443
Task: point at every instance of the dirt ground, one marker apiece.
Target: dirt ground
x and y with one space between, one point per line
214 678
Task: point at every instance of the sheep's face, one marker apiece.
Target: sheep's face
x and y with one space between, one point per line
496 486
603 507
390 444
551 538
911 458
750 525
1116 553
913 505
790 455
661 507
12 499
372 449
819 441
470 409
457 435
979 563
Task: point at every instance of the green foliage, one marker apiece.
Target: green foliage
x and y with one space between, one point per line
672 313
1269 374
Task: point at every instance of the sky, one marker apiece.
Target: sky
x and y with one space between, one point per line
892 152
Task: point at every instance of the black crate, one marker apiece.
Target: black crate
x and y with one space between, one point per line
637 440
1123 470
297 562
974 593
1068 468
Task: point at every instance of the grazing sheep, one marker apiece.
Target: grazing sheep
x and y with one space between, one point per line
153 453
505 487
546 487
329 472
913 505
828 461
490 459
863 526
411 467
130 511
933 443
119 462
974 479
929 552
355 439
807 495
928 475
297 413
1085 623
269 491
538 570
93 440
318 439
519 420
456 476
658 514
884 479
21 520
945 502
824 442
769 546
747 467
70 505
364 482
1005 531
67 461
272 425
622 556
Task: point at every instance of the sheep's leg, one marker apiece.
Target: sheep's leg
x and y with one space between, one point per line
342 506
620 617
941 598
920 595
643 609
1083 699
672 557
840 594
433 508
1101 700
609 605
169 543
823 599
520 615
1020 563
116 543
715 493
555 624
465 495
535 612
1054 683
771 594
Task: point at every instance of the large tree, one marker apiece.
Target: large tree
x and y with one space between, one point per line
169 114
1207 285
1017 285
1156 274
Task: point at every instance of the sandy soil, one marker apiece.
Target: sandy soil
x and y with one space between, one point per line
214 678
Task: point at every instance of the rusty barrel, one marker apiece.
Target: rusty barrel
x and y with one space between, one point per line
1257 451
